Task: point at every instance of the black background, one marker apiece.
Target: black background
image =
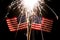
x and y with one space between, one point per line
5 34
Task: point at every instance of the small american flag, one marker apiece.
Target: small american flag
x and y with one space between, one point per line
45 25
12 23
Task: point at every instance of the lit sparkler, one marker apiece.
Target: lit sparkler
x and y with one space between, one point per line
27 7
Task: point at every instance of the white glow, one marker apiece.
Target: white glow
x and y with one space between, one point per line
29 4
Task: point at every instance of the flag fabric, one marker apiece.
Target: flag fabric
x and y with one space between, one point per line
23 25
36 26
46 25
14 26
36 22
12 23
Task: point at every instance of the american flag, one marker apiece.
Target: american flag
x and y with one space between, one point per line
45 25
12 23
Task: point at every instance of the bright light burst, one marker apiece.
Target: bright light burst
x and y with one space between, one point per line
29 4
27 7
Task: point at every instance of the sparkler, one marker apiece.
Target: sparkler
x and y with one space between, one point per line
28 7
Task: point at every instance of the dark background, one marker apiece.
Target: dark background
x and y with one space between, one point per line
5 34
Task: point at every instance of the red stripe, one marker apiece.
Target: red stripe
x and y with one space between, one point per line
13 20
46 30
9 26
36 26
7 20
23 28
23 25
12 29
46 26
47 23
46 19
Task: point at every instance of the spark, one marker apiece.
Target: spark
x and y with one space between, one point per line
30 5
